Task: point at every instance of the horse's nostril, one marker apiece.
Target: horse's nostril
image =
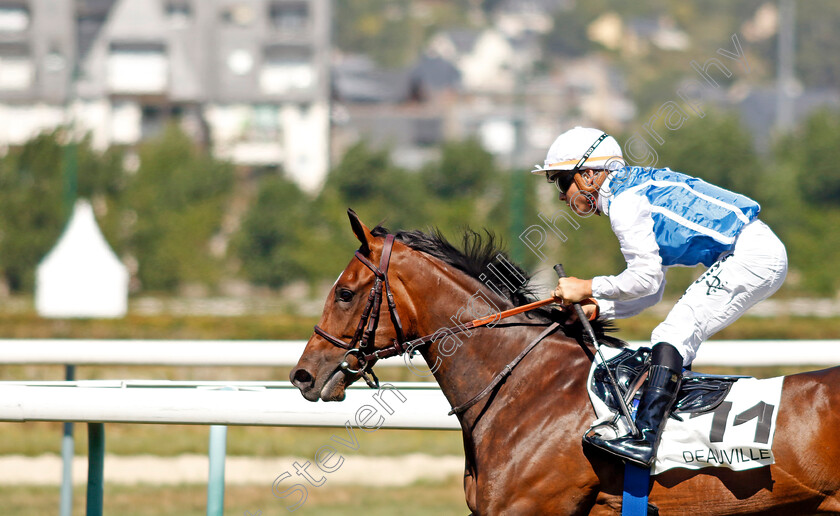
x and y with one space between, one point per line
301 377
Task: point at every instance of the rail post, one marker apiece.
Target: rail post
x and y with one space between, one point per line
96 468
67 453
216 476
216 452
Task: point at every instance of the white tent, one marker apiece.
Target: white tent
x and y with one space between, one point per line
81 276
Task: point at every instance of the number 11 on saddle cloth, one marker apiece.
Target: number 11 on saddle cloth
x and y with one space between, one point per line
729 423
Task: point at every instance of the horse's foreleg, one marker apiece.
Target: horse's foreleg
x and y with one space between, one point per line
469 489
606 505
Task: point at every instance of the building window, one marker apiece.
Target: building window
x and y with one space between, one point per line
152 121
138 68
90 18
427 131
290 16
287 70
54 61
13 18
179 13
16 67
265 123
240 62
241 15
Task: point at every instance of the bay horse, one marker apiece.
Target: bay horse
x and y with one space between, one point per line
522 442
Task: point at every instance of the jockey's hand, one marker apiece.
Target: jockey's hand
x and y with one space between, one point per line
590 310
572 290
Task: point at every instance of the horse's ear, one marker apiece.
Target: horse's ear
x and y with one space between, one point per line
362 232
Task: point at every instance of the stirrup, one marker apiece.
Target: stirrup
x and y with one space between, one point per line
625 457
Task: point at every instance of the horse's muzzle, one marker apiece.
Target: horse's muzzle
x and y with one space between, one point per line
327 385
305 382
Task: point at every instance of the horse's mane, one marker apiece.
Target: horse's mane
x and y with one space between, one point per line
478 251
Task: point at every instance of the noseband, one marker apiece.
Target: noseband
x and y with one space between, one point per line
366 330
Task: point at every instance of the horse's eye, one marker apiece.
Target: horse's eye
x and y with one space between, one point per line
345 295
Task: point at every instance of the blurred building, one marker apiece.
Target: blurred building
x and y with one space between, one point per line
475 83
636 36
517 17
249 77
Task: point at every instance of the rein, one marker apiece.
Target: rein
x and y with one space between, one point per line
366 353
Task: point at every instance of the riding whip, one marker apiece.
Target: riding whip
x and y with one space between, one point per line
625 410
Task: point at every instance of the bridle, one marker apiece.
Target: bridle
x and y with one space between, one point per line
366 354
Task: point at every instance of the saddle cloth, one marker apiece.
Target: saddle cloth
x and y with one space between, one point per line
717 421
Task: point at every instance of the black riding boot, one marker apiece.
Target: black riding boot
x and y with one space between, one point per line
658 397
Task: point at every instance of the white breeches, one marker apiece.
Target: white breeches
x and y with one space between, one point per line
754 269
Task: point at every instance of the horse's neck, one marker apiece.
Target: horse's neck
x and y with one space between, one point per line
465 363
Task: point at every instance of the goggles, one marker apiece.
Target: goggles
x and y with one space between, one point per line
562 179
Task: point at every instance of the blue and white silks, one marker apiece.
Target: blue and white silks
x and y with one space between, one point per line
693 221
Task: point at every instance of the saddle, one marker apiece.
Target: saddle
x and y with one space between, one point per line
707 426
699 392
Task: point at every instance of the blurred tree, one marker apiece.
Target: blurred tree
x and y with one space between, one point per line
382 29
812 153
568 37
102 179
809 190
33 198
32 215
177 197
464 167
812 245
715 148
465 185
464 188
470 192
490 5
816 41
367 180
98 173
511 200
278 240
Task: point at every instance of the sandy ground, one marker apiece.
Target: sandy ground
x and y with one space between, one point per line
192 469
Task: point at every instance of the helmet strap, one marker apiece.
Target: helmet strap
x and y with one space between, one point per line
584 185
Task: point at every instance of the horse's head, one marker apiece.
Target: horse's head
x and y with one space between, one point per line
351 327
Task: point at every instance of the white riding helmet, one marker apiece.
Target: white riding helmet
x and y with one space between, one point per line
570 147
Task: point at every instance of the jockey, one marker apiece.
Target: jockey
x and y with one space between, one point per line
662 219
